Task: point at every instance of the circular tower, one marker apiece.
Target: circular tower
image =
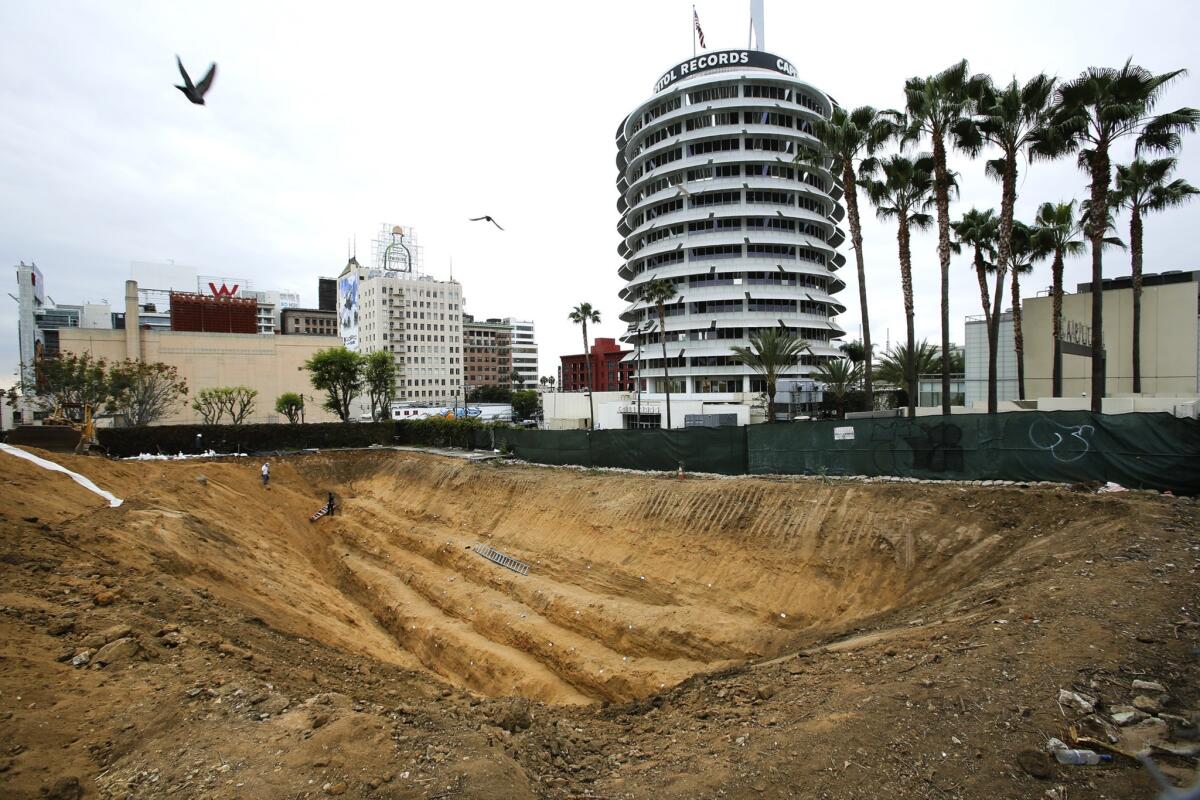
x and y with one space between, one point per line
712 199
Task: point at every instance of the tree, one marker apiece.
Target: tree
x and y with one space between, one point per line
542 381
144 392
582 314
239 402
379 378
550 382
525 404
1143 188
901 366
839 376
289 404
937 106
70 382
979 230
339 373
1090 114
517 380
771 351
905 194
1025 250
658 292
490 394
210 405
1056 228
846 139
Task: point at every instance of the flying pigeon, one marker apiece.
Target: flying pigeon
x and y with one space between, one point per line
488 219
196 93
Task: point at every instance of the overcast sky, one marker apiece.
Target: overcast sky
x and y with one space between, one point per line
326 120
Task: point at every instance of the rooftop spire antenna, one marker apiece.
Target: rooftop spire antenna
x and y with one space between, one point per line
757 40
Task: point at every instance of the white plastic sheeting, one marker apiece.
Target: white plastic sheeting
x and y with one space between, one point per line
113 501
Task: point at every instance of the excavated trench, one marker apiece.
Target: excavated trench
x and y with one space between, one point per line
635 582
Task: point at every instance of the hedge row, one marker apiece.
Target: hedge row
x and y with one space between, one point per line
441 432
172 439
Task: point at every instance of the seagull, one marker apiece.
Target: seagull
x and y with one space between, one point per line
196 93
486 218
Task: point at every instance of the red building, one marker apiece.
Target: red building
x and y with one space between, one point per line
609 373
202 313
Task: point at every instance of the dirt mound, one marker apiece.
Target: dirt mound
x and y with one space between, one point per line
381 635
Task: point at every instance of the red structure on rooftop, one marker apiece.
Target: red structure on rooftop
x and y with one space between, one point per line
200 313
609 373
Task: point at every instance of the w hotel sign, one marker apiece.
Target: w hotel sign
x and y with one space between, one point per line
223 291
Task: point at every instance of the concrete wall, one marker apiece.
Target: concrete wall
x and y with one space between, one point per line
271 364
1170 338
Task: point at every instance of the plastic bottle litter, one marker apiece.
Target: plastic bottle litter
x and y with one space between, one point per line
1081 757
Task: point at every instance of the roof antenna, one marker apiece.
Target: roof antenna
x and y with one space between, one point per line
756 25
355 253
451 269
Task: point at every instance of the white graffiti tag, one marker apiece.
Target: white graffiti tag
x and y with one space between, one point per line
1066 443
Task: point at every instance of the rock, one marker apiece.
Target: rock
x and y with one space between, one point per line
170 627
1126 715
318 719
173 639
1148 686
64 789
229 649
1080 702
275 704
1147 704
202 480
514 717
110 634
104 598
118 651
1034 762
81 658
61 626
335 788
765 692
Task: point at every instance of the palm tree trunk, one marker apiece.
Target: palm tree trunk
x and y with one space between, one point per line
588 356
1018 337
662 337
1056 270
981 273
1008 199
910 368
850 186
942 198
1135 245
1101 175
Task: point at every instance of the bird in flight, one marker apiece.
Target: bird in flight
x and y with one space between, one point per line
487 219
196 92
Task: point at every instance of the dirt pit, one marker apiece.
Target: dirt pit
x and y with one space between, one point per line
645 596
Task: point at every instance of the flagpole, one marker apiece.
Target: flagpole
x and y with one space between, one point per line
692 21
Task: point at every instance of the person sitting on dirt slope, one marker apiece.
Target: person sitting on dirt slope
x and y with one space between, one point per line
266 473
329 505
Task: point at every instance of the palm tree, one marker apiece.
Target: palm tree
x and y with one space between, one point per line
847 138
1009 117
1025 250
1090 114
1056 228
905 193
1142 187
550 381
979 230
658 292
582 314
839 376
937 106
897 368
770 352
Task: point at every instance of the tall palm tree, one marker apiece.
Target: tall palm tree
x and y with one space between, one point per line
1143 187
900 366
1056 230
905 193
1009 117
1025 250
936 107
582 314
847 138
979 230
771 351
658 292
839 376
1091 113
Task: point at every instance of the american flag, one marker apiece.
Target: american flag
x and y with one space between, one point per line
699 30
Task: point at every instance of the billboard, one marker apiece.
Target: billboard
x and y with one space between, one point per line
348 310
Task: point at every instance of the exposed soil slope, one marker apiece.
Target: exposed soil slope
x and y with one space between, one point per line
251 653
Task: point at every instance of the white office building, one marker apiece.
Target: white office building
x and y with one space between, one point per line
415 317
524 352
712 201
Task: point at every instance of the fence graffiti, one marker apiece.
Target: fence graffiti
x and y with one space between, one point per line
1066 443
939 450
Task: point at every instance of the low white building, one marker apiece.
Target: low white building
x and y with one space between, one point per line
622 410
